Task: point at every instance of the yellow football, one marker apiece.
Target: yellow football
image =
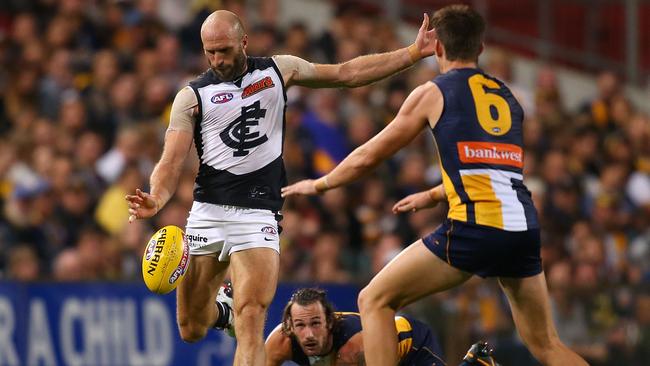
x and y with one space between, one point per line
165 260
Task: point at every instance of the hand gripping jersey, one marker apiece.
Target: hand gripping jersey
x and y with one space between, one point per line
239 135
479 139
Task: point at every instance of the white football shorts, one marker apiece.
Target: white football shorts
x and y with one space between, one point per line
222 230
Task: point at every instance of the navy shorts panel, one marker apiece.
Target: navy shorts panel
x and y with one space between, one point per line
425 349
487 251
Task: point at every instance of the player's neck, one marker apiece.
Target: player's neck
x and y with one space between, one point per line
243 70
451 65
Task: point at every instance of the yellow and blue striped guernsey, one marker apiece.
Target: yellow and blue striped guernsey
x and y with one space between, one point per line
479 140
417 344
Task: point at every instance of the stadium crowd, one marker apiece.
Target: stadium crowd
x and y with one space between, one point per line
85 93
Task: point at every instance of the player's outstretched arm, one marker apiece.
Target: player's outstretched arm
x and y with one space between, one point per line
277 347
165 175
359 71
420 200
422 105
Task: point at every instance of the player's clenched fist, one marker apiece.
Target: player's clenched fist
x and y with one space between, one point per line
142 205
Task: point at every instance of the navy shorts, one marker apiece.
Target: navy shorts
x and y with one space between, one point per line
487 251
425 348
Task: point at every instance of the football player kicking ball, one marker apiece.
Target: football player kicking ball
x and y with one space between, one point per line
312 333
234 114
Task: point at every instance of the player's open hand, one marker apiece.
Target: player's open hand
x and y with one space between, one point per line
414 202
142 205
425 40
305 187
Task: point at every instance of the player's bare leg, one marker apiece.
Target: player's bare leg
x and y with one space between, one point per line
413 274
196 309
254 275
531 311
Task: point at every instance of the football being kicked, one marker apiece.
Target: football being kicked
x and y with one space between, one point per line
165 260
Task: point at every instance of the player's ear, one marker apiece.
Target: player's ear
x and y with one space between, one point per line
439 48
244 41
330 321
287 327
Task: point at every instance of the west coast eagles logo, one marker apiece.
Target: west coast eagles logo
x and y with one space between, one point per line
238 135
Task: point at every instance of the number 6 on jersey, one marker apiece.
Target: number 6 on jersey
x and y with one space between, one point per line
485 103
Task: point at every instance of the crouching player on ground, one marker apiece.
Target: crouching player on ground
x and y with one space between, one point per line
312 333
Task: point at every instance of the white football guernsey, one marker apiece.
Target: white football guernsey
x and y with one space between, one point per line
239 135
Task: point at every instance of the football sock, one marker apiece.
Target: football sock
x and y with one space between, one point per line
223 316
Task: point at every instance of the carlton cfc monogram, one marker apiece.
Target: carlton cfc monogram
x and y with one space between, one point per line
238 135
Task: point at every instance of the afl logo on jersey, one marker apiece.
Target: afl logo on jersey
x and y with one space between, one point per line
269 230
221 98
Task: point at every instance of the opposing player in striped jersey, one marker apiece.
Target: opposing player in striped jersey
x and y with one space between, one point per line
491 229
313 334
234 112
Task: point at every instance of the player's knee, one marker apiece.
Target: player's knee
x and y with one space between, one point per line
191 332
370 299
251 309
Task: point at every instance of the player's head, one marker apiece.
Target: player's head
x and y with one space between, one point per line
310 318
459 30
224 44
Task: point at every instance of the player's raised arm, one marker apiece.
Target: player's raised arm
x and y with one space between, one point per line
359 71
422 105
277 347
165 175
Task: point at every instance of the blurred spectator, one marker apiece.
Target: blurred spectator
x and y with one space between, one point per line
262 40
90 246
388 248
58 78
642 312
324 127
155 102
112 210
326 265
124 98
74 210
68 266
89 149
126 151
26 212
297 41
105 70
23 263
499 65
600 108
22 92
548 101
